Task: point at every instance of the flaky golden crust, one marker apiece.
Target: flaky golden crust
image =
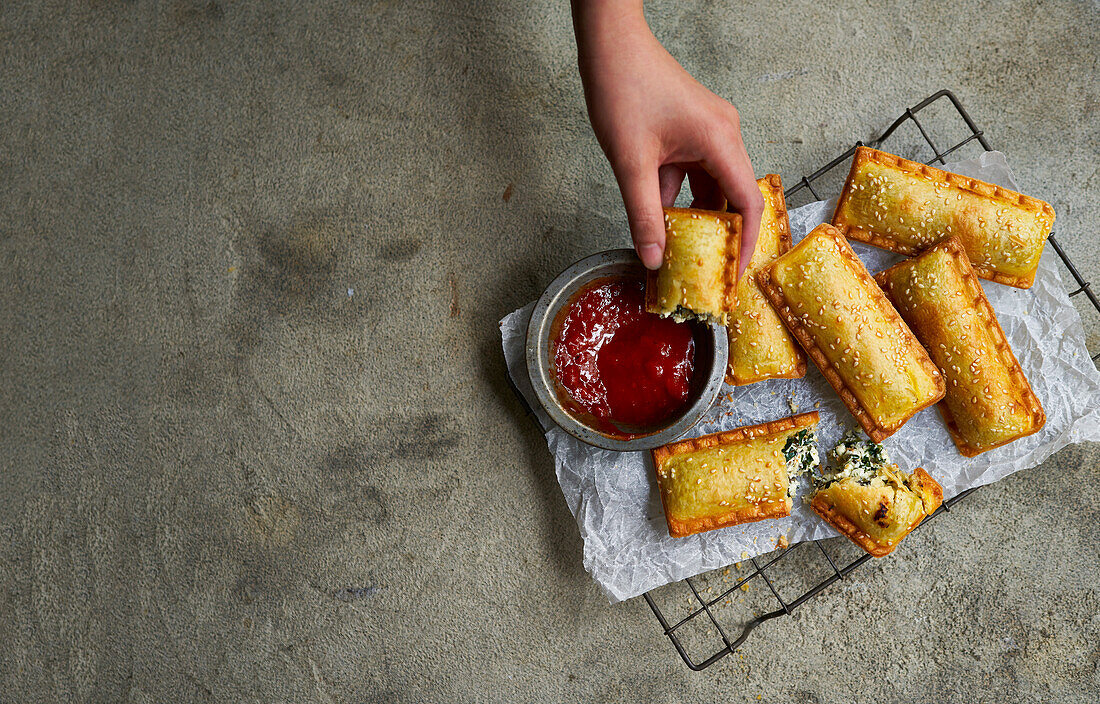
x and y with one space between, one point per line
759 345
824 508
726 437
989 402
927 488
699 271
877 517
736 484
905 206
877 366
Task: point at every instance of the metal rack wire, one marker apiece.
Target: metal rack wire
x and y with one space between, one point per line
707 608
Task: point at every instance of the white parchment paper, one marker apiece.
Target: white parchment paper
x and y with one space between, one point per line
613 496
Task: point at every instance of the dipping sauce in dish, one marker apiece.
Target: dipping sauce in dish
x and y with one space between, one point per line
627 368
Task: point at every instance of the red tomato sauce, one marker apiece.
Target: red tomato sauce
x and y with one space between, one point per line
622 365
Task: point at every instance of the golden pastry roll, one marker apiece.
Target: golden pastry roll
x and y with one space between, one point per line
989 401
698 277
906 207
836 311
876 514
760 346
731 477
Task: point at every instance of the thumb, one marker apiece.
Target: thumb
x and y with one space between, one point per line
641 189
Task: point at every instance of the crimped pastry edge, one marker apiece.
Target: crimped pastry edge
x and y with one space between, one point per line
864 155
874 430
775 185
953 247
729 276
682 528
832 515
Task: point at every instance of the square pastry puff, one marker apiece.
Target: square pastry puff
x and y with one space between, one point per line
760 346
836 311
869 500
698 278
727 478
906 206
989 402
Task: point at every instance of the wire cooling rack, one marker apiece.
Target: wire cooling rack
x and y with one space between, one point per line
713 599
701 628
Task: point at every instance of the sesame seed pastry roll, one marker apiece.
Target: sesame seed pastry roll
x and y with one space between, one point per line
760 346
698 278
989 401
906 206
872 502
736 476
836 311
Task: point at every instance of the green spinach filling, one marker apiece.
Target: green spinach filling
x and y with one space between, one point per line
683 314
856 458
800 452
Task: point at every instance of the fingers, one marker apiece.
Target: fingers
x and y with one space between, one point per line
642 193
671 177
705 191
730 167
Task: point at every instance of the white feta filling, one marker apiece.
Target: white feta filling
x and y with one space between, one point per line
858 459
800 452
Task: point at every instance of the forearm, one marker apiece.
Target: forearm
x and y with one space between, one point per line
613 39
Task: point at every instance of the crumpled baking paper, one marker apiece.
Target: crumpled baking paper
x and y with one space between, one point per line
614 498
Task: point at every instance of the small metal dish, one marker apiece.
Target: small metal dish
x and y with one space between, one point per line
711 354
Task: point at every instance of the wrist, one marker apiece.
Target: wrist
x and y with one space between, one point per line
605 26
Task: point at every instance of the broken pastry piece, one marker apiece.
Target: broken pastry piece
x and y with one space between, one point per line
698 278
836 311
906 207
869 500
760 346
736 476
989 401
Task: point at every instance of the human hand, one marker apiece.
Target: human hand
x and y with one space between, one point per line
657 124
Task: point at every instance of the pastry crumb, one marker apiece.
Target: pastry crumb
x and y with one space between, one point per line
782 542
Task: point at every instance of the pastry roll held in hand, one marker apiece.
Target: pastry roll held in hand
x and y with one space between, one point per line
733 477
760 346
836 311
698 278
906 206
870 501
989 402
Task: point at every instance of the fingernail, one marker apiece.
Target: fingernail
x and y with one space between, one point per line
650 254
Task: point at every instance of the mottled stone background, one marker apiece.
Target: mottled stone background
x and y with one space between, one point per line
255 437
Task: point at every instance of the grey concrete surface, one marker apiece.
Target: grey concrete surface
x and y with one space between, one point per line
255 437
